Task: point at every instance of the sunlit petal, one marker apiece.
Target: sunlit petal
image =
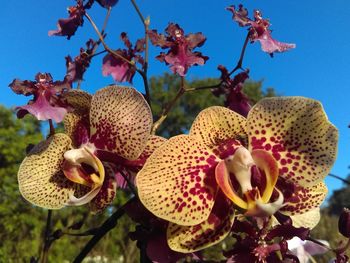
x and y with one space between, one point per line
187 239
41 180
120 121
297 133
177 182
216 124
302 200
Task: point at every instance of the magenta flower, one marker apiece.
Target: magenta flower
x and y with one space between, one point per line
68 26
77 67
119 69
180 56
107 3
259 30
235 100
47 102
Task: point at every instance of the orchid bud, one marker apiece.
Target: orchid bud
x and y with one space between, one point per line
344 223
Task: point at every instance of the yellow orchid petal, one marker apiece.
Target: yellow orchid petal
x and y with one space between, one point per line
41 180
186 239
215 125
120 120
177 183
303 199
309 219
297 133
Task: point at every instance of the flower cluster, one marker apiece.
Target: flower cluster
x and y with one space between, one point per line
255 173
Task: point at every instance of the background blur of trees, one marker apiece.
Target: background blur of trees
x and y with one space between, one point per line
21 224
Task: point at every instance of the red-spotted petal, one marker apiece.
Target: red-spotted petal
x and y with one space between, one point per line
187 239
120 120
216 124
298 134
299 200
76 122
41 180
309 219
153 143
107 192
177 182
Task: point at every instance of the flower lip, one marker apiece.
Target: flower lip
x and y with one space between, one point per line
81 166
253 199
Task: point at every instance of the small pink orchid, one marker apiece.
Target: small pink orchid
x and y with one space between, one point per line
180 56
47 103
259 30
68 26
77 67
119 69
103 133
273 160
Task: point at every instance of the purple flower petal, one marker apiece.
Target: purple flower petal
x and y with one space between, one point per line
270 45
42 110
180 56
107 3
68 26
120 70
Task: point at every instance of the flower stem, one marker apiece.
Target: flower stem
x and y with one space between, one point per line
46 240
170 105
107 225
106 20
52 128
104 43
339 178
144 70
237 67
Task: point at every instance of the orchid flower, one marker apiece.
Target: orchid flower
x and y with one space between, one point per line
180 56
273 160
305 249
47 103
103 133
259 30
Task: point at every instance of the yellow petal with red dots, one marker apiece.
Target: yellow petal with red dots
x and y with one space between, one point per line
177 182
303 199
186 239
120 120
296 131
215 125
309 219
41 180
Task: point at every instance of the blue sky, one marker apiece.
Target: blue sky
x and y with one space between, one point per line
318 68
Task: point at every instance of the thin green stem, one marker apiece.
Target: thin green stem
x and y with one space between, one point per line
170 105
108 225
132 63
46 240
339 178
138 12
106 20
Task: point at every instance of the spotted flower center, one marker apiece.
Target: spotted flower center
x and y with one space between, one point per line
83 167
234 176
